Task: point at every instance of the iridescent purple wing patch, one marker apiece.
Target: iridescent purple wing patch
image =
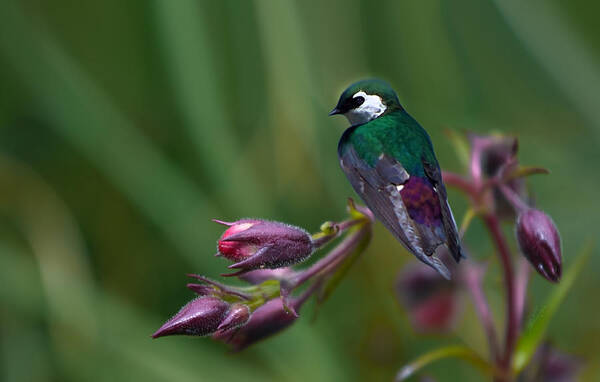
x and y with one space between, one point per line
421 201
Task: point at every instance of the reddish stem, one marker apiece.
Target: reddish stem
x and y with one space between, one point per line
473 279
341 250
457 181
512 319
513 198
521 281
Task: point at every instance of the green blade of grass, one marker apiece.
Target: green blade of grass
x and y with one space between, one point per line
455 351
542 28
191 68
293 95
85 117
534 333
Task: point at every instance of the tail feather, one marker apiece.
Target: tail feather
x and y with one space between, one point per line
439 266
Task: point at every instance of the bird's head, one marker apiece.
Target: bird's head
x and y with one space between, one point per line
366 100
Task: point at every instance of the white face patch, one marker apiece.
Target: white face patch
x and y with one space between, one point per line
372 108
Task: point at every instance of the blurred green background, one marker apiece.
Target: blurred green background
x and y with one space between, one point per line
125 126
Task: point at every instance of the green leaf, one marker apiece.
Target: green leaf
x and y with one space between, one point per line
467 219
461 146
523 171
454 351
533 335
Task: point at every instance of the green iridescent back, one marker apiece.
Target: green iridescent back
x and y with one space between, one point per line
396 134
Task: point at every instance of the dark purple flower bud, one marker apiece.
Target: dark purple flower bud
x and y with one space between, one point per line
199 317
431 301
265 321
551 365
489 155
263 244
238 315
258 276
539 241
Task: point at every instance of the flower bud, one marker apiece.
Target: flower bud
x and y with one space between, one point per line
539 241
263 244
490 154
199 317
235 250
552 365
430 300
265 321
238 315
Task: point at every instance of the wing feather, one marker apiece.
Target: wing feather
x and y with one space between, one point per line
452 239
380 188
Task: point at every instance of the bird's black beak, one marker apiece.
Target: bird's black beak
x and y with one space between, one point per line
334 112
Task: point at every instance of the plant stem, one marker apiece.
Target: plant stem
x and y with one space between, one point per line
513 198
521 281
342 249
512 319
473 279
457 181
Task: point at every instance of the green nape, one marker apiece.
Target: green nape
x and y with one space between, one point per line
396 134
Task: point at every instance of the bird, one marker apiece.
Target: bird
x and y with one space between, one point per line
390 162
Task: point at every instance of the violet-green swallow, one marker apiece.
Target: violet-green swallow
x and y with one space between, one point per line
388 158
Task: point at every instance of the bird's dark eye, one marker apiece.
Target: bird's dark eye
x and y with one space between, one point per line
351 104
357 101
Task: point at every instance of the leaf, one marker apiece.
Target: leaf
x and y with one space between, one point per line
523 171
453 351
461 146
533 335
467 219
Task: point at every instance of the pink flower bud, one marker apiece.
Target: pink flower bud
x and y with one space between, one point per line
199 317
236 250
539 241
257 244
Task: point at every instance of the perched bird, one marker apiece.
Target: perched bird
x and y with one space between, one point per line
388 158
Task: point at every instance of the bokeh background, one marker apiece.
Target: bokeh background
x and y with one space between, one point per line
125 126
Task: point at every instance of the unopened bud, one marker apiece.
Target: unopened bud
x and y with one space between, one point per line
552 365
264 244
539 241
237 316
490 154
199 317
265 321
